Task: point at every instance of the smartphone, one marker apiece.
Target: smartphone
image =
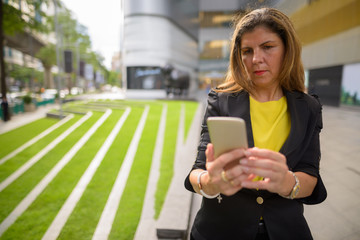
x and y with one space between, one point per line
227 133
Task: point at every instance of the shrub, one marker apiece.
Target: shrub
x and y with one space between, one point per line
27 99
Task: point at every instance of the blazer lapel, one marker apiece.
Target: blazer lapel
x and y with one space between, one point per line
299 115
239 106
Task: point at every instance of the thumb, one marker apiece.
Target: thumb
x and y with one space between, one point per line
209 152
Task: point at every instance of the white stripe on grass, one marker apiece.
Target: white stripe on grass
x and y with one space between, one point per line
55 228
42 153
30 198
147 222
107 217
37 138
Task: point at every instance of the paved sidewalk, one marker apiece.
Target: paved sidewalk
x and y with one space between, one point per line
21 119
338 218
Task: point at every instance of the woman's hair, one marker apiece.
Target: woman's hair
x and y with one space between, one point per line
291 76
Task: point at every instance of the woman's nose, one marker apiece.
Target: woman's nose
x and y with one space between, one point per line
257 57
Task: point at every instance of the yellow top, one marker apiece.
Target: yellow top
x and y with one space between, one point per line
270 124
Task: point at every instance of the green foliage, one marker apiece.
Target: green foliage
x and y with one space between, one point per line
14 19
114 78
47 55
24 74
27 99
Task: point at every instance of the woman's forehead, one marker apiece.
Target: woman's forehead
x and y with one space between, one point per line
259 35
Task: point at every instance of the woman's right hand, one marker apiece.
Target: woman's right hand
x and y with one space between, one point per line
225 174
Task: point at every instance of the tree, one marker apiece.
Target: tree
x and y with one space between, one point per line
12 20
47 56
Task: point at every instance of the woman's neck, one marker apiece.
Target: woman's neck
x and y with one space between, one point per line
266 95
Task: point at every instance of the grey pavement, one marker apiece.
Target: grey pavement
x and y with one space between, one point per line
21 119
338 217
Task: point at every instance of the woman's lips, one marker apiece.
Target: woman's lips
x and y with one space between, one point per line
260 72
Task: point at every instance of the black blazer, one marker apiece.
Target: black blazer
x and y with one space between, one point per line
237 216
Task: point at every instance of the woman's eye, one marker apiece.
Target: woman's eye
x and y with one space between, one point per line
268 47
246 51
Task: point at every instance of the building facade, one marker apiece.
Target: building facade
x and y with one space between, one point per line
157 33
195 36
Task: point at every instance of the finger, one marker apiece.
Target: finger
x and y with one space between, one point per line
255 184
209 152
231 190
234 172
260 172
262 163
228 157
265 153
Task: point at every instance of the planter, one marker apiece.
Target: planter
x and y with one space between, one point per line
29 107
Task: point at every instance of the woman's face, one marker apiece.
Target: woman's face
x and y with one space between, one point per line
262 53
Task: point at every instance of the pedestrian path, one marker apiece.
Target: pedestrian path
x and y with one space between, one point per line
25 118
338 217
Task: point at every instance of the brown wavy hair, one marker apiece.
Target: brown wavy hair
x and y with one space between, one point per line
291 76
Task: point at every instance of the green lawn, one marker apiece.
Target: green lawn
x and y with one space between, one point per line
16 138
33 223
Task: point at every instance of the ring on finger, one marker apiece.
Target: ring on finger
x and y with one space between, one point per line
223 176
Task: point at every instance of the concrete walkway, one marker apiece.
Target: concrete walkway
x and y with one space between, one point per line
21 119
338 218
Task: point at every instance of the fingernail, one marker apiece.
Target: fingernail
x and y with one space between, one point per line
247 153
243 161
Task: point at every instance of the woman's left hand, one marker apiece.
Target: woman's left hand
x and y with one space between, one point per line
268 164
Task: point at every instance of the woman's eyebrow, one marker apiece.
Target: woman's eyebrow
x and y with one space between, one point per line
270 41
261 44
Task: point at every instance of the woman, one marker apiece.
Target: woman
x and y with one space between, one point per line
261 196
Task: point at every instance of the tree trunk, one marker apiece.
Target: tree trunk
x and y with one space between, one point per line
2 66
48 78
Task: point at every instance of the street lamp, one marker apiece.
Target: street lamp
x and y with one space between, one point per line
58 78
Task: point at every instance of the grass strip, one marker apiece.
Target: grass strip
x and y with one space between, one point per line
51 200
131 203
190 109
17 161
168 155
16 138
15 192
84 219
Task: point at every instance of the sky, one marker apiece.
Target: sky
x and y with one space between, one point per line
102 18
